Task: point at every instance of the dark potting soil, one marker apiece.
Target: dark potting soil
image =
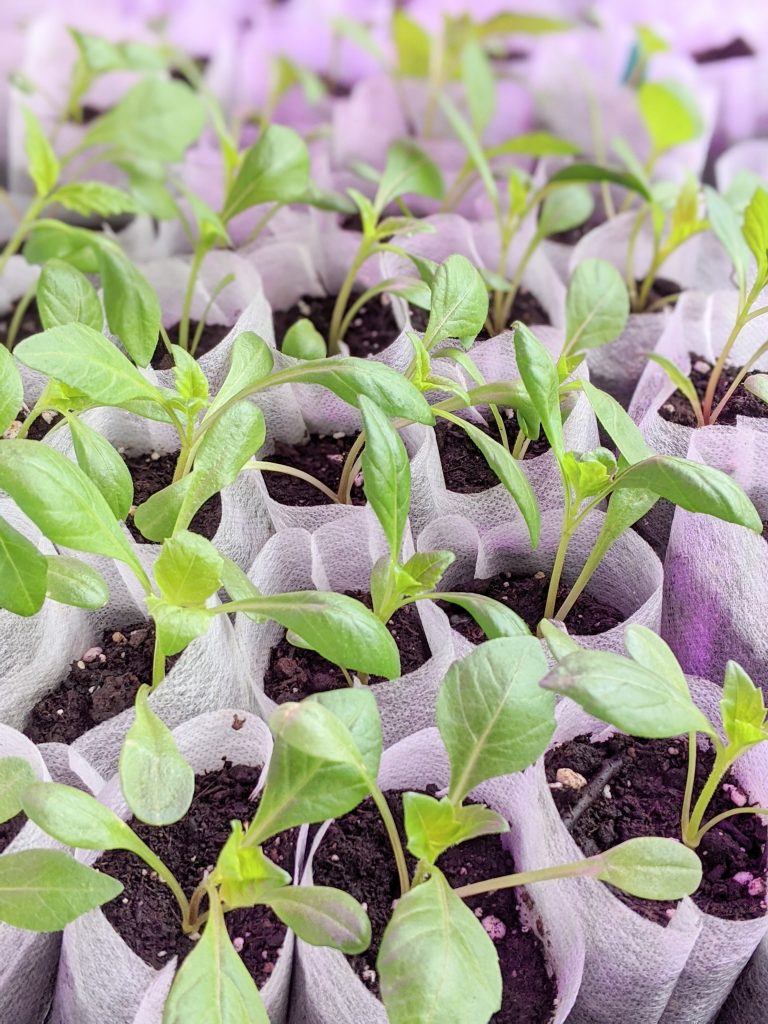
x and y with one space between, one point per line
465 469
677 408
293 674
635 788
151 475
323 457
737 47
30 323
355 856
10 829
527 595
371 331
526 307
335 88
146 915
662 288
99 686
40 426
210 337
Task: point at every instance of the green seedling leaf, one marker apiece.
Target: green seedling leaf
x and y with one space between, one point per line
459 302
11 390
70 581
191 382
84 359
596 173
349 378
427 568
339 628
627 695
177 627
619 426
303 341
494 618
535 144
23 573
408 171
43 890
157 782
558 641
62 502
436 961
65 296
323 916
650 651
250 362
565 208
509 473
244 874
156 518
514 22
651 868
596 306
316 771
386 474
743 708
669 114
412 46
755 229
432 825
357 710
479 84
131 304
94 197
15 775
213 985
42 162
757 385
473 146
541 380
694 487
101 463
274 169
158 116
493 716
189 569
77 819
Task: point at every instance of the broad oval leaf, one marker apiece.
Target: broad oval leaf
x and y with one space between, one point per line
77 819
596 306
493 716
16 774
494 618
251 360
23 572
65 296
742 707
73 582
651 868
565 208
188 569
386 474
597 173
157 782
539 374
131 304
274 169
44 890
459 302
436 961
11 390
323 916
408 171
649 650
102 464
302 340
627 695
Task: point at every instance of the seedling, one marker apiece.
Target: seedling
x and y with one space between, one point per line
739 241
631 482
494 719
647 695
213 980
217 436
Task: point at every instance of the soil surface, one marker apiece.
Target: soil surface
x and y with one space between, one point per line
99 686
210 337
30 323
372 330
527 595
737 47
661 289
151 475
40 427
355 855
465 469
293 673
637 789
322 457
677 408
146 915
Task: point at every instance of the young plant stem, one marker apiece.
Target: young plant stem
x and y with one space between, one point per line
722 359
361 300
335 333
394 838
723 760
582 868
685 817
158 663
562 549
18 315
348 472
272 467
737 380
26 223
223 283
718 819
197 261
